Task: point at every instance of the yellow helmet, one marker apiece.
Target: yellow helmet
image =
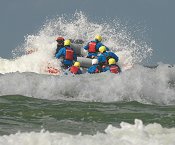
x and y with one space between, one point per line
98 37
77 64
102 49
111 61
67 42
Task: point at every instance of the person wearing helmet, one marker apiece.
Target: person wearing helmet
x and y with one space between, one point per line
75 69
68 54
105 56
102 58
60 44
93 46
95 68
113 67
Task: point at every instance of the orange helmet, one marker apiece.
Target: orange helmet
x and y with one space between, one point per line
60 39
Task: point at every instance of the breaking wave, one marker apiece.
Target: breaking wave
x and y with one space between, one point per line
140 84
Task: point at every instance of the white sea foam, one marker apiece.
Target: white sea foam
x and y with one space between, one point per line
138 84
115 35
127 134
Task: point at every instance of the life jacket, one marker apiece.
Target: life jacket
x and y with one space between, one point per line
92 47
69 54
74 69
114 69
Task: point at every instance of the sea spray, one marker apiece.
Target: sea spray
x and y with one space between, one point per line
38 50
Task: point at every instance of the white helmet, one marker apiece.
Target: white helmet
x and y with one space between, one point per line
94 61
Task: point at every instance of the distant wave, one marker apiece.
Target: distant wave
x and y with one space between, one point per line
134 134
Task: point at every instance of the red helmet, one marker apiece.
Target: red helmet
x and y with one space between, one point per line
60 39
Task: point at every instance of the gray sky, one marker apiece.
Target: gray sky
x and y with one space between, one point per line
21 17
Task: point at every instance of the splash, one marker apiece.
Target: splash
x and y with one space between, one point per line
43 44
144 85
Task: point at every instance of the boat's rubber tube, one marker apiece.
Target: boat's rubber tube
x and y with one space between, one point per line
81 55
85 62
78 48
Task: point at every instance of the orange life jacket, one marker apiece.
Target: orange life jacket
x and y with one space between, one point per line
114 69
92 47
74 69
69 53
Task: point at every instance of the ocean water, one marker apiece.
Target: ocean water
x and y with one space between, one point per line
132 108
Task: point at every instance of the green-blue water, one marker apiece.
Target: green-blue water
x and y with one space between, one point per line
20 113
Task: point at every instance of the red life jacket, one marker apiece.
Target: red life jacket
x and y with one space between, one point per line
92 47
114 69
74 69
69 54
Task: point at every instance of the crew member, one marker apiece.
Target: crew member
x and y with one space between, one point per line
113 67
75 69
68 54
95 68
60 44
93 46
